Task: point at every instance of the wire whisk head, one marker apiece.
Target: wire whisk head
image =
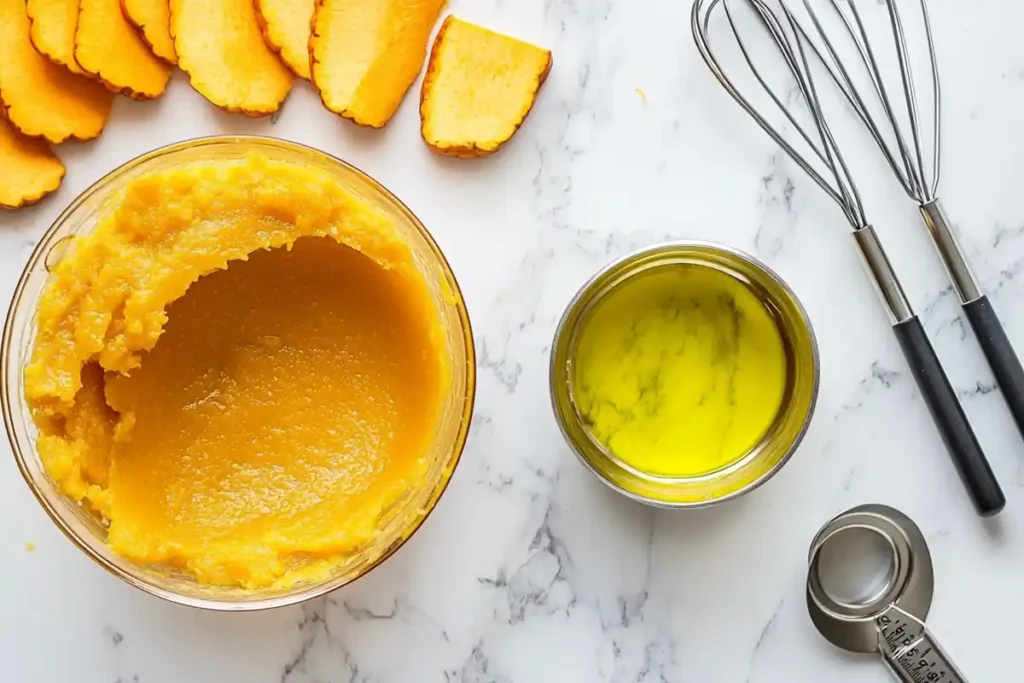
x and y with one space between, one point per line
901 130
808 43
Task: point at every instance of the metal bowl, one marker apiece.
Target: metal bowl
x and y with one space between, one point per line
779 441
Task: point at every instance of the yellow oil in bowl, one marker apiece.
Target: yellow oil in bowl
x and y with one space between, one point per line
684 374
680 371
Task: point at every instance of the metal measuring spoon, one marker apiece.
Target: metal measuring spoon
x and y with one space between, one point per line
869 588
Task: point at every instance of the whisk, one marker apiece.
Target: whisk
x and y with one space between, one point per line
909 165
792 41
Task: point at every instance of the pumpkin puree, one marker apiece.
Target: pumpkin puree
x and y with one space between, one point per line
237 370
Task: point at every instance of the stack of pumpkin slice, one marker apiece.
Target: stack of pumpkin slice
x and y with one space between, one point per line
63 61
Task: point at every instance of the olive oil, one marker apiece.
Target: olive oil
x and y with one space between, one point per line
680 371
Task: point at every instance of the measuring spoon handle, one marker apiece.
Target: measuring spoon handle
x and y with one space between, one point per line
923 662
911 651
950 418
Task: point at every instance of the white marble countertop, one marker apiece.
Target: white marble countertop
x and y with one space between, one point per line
530 570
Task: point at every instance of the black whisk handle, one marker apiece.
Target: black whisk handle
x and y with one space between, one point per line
950 418
1000 354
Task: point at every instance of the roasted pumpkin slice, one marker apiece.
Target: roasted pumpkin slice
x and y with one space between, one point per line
286 28
221 48
53 30
479 87
111 49
30 168
153 20
41 97
365 55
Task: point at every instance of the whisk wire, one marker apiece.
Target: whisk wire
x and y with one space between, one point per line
772 26
933 61
805 90
851 195
907 77
843 80
908 172
910 167
898 134
844 192
700 31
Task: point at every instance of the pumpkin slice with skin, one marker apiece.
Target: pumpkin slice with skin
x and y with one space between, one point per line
109 48
221 48
479 87
41 97
30 168
286 27
53 30
366 53
153 20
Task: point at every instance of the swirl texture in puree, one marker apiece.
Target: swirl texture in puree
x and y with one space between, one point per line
238 370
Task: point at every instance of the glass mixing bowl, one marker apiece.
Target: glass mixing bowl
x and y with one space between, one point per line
395 524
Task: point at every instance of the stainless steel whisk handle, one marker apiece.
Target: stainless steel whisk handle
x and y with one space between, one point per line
950 251
882 275
911 651
939 395
995 344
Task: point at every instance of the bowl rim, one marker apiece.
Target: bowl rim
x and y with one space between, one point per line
582 298
310 592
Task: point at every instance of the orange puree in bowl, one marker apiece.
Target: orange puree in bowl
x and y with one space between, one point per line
238 370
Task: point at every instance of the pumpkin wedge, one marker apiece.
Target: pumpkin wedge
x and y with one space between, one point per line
479 87
53 30
221 48
30 168
153 20
111 49
42 98
286 27
366 54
